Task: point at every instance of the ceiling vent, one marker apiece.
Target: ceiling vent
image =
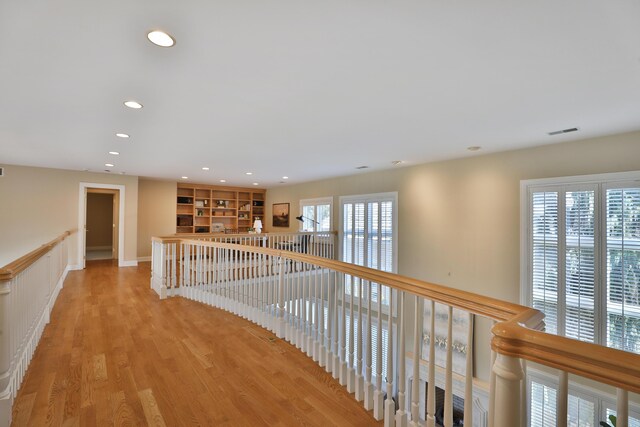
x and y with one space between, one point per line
362 167
558 132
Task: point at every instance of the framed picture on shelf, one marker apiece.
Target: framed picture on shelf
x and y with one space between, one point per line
280 213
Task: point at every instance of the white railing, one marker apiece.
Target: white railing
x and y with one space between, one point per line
320 244
347 318
29 287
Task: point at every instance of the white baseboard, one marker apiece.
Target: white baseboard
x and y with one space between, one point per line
129 263
144 258
74 267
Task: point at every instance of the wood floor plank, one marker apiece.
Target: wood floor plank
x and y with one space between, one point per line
115 354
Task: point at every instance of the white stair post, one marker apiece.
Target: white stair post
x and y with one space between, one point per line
508 374
401 414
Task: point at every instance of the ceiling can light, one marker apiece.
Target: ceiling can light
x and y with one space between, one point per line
122 135
205 168
185 177
109 165
285 177
248 173
474 148
133 104
160 38
223 180
114 153
255 183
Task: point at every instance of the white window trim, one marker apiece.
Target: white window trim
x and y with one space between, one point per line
599 182
315 202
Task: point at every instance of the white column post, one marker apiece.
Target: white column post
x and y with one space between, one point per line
509 373
431 389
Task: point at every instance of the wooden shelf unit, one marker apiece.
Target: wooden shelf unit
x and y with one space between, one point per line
200 205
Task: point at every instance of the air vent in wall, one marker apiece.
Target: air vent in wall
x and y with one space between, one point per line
1 172
558 132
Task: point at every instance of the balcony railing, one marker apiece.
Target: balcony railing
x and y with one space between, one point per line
331 311
29 287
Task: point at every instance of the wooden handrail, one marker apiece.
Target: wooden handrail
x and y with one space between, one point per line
264 234
518 332
9 271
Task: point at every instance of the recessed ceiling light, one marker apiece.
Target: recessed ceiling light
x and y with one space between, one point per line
114 153
255 183
223 180
474 148
122 135
285 177
248 173
396 162
205 168
185 177
133 104
362 167
160 38
109 165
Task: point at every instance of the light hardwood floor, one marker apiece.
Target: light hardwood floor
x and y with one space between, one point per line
114 354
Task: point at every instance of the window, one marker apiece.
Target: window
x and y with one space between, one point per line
586 406
581 256
316 214
368 235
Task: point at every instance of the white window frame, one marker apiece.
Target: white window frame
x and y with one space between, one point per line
374 197
599 182
315 202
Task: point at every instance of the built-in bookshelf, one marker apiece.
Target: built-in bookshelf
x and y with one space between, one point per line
204 208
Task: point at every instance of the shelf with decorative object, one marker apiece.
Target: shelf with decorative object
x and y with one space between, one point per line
202 208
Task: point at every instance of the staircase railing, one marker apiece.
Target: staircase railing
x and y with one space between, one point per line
351 320
29 287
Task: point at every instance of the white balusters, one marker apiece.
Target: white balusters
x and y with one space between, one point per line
562 399
359 380
368 386
316 320
415 384
344 366
389 404
448 382
321 345
468 385
337 290
351 374
378 395
401 414
431 389
622 408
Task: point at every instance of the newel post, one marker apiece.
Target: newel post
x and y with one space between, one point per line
280 323
508 391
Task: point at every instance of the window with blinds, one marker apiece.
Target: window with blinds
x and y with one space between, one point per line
582 258
316 214
368 237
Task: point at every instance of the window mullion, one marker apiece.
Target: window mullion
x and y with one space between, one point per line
600 254
562 262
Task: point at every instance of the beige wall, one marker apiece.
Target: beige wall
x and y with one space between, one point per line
459 220
99 220
38 204
156 212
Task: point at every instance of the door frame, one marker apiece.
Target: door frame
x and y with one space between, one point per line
82 220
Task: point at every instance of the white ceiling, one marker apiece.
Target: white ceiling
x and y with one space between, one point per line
307 89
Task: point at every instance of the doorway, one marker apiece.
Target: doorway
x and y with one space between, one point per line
101 223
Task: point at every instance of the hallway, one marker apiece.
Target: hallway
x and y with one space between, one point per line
114 354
